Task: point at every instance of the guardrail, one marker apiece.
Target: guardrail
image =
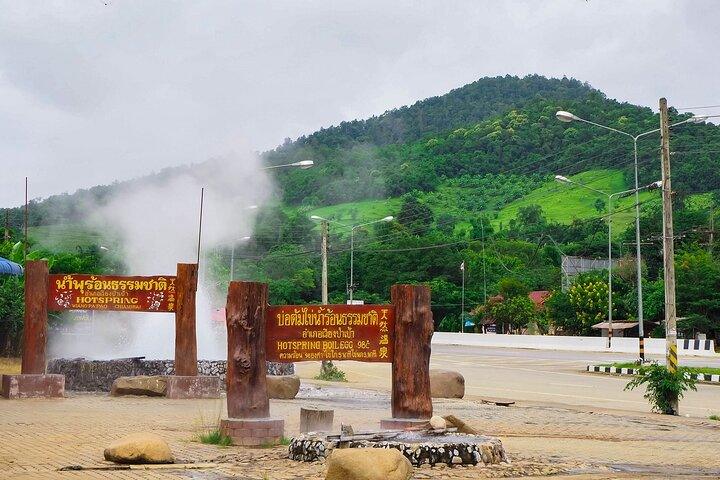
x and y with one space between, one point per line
700 348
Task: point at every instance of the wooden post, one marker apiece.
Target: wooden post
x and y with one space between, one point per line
36 309
411 363
315 420
185 336
246 370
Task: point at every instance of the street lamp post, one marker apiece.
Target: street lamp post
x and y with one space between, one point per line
304 164
564 116
352 228
610 196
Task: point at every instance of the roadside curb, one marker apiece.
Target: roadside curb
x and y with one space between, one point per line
701 377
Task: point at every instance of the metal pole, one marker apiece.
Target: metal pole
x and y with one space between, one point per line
25 243
482 232
668 248
610 325
638 259
324 228
352 259
232 262
462 304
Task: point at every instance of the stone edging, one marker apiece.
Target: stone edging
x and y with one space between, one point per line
701 377
307 448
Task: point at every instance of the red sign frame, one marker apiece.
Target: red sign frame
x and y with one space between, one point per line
112 292
295 333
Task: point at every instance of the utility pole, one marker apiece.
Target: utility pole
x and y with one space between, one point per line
326 365
668 247
324 253
462 302
712 229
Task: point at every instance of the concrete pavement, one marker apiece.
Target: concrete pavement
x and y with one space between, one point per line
538 377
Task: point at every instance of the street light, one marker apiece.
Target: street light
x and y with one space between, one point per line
567 117
610 196
304 164
352 228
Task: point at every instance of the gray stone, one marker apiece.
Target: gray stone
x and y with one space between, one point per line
151 386
283 386
139 448
446 384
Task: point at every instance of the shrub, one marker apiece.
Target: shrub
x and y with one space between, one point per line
330 373
663 388
215 437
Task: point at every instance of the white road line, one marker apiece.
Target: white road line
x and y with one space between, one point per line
571 385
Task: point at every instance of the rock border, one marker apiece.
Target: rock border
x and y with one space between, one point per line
700 377
309 448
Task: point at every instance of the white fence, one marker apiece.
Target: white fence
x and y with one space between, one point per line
705 348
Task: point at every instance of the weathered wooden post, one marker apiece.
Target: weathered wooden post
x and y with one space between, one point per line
33 382
411 402
186 383
249 421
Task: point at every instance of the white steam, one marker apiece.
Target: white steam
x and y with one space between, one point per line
155 224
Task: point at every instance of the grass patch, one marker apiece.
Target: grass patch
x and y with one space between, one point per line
330 373
215 437
284 441
564 203
10 366
715 417
358 212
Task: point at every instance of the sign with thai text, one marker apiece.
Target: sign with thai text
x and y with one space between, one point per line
330 332
112 292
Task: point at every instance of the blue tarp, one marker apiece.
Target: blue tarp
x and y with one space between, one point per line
9 268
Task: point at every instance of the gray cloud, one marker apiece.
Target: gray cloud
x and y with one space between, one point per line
93 92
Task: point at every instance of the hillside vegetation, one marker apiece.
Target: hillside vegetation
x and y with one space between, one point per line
468 177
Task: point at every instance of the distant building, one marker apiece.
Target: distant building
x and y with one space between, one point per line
573 266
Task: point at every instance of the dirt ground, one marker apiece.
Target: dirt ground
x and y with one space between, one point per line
41 436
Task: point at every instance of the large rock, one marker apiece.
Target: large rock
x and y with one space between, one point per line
368 464
283 386
139 448
151 386
446 384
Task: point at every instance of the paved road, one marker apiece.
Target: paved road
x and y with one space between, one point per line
538 376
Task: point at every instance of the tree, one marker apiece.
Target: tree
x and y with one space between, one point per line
590 299
599 205
517 312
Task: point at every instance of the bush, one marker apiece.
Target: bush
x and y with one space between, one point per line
663 388
215 438
330 373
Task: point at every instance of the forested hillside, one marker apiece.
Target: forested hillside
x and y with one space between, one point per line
468 177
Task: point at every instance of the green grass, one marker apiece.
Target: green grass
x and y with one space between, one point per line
359 212
563 203
283 441
65 237
715 417
215 438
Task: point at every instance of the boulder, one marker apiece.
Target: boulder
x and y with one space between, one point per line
446 384
368 464
283 386
151 386
139 448
438 423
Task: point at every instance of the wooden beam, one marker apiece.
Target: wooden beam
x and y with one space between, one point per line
411 363
185 333
36 312
246 369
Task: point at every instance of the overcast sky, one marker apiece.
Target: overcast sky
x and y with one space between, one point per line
93 91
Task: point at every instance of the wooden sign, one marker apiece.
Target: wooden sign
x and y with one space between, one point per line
330 332
112 292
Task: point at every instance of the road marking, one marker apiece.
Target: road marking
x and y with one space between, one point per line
571 385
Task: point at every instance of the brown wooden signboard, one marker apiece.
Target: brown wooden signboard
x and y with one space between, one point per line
330 332
112 292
